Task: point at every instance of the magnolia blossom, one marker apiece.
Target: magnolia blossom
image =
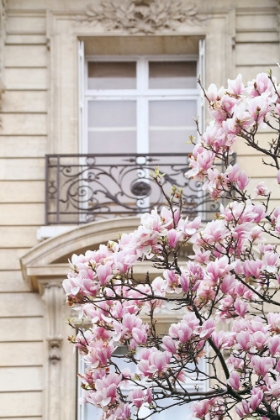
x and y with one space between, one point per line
215 285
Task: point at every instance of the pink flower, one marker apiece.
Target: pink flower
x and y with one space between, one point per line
219 338
241 307
261 84
258 339
139 335
256 398
214 231
243 339
138 396
270 261
201 163
130 322
173 280
262 365
214 94
173 237
153 362
252 268
258 108
167 217
189 228
106 390
104 273
243 410
218 268
207 328
274 345
123 412
182 331
236 86
200 409
99 353
242 180
159 286
184 281
262 190
169 344
234 380
228 283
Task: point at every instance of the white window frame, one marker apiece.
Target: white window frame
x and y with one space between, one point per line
142 94
202 386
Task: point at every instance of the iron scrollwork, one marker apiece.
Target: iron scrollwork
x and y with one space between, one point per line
85 188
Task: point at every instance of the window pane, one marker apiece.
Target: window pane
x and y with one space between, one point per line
172 113
177 412
91 412
112 114
169 141
112 142
112 75
172 74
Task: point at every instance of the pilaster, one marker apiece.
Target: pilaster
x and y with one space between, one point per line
3 4
53 296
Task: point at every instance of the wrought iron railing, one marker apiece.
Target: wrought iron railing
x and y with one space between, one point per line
84 188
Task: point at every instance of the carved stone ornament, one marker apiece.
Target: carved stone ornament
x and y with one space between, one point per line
54 348
142 16
53 297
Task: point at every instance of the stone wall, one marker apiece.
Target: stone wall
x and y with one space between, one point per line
39 115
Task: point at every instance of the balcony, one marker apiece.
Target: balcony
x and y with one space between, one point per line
86 188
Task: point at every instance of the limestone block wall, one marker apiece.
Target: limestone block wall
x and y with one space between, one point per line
256 49
23 140
39 58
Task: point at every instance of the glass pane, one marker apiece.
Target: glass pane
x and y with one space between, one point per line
172 113
91 412
112 75
169 141
177 412
112 114
172 74
112 142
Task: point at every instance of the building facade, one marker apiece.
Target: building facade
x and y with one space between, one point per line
59 62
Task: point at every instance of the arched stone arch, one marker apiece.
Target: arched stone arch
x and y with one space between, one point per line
48 261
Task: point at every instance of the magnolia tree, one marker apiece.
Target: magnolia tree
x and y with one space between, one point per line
225 292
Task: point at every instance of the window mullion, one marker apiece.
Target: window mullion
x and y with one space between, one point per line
82 78
201 75
142 106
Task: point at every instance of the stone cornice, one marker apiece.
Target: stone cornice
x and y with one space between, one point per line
142 16
39 265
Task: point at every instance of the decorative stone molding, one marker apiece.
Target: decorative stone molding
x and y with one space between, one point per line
53 297
46 264
142 16
3 4
54 349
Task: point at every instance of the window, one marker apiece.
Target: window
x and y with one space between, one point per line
90 412
143 104
138 104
